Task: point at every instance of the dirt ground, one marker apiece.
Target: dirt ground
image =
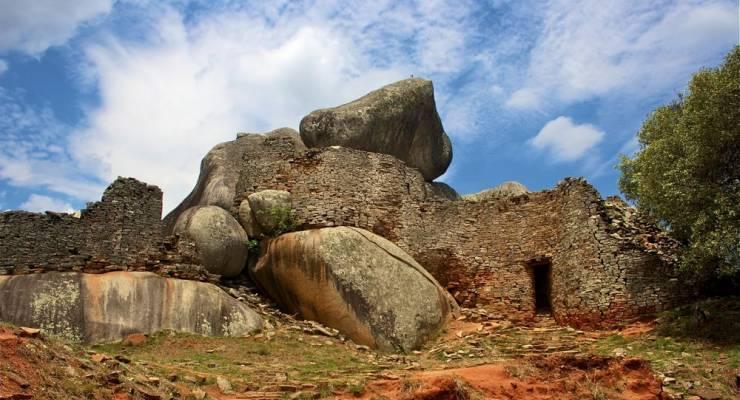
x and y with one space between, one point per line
471 359
35 367
552 377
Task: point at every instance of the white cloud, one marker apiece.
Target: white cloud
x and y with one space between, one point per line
565 140
180 85
589 49
40 203
526 98
30 151
166 102
3 66
165 106
35 25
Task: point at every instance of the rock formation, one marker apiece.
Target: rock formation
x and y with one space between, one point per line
220 242
271 210
486 250
106 307
505 252
248 221
444 191
506 189
399 119
221 169
357 282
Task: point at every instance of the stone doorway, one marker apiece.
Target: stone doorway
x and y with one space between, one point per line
542 285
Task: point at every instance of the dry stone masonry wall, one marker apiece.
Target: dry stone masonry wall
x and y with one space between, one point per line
504 252
603 268
605 262
123 231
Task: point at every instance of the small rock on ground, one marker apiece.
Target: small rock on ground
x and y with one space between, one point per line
224 385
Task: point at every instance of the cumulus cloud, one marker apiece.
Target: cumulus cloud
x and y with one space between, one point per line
163 107
40 203
196 82
174 83
3 66
565 140
34 26
589 49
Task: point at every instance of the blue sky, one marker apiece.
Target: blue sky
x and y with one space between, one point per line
532 91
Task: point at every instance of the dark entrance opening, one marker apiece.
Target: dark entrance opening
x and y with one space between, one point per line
541 274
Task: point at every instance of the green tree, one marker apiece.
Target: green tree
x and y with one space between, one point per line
687 170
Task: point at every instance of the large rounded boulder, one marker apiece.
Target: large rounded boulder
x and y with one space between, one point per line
95 308
357 282
221 244
399 119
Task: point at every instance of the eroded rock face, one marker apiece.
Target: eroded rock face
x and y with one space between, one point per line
506 189
399 119
249 223
107 307
357 282
220 170
271 209
220 242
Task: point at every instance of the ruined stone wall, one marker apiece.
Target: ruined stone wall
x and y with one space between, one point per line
340 186
484 252
612 275
121 229
606 265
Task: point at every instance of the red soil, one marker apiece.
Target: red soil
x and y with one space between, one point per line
637 328
14 365
463 328
553 377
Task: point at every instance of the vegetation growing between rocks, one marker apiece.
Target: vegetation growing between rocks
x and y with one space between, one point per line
283 218
687 170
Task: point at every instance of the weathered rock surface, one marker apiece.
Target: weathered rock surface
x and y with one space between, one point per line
220 242
271 209
357 282
444 191
606 262
506 189
107 307
399 119
248 221
220 170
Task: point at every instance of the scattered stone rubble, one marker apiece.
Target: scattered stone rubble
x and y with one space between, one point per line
627 223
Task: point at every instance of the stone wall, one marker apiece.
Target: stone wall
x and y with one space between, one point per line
123 231
613 277
605 262
484 252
